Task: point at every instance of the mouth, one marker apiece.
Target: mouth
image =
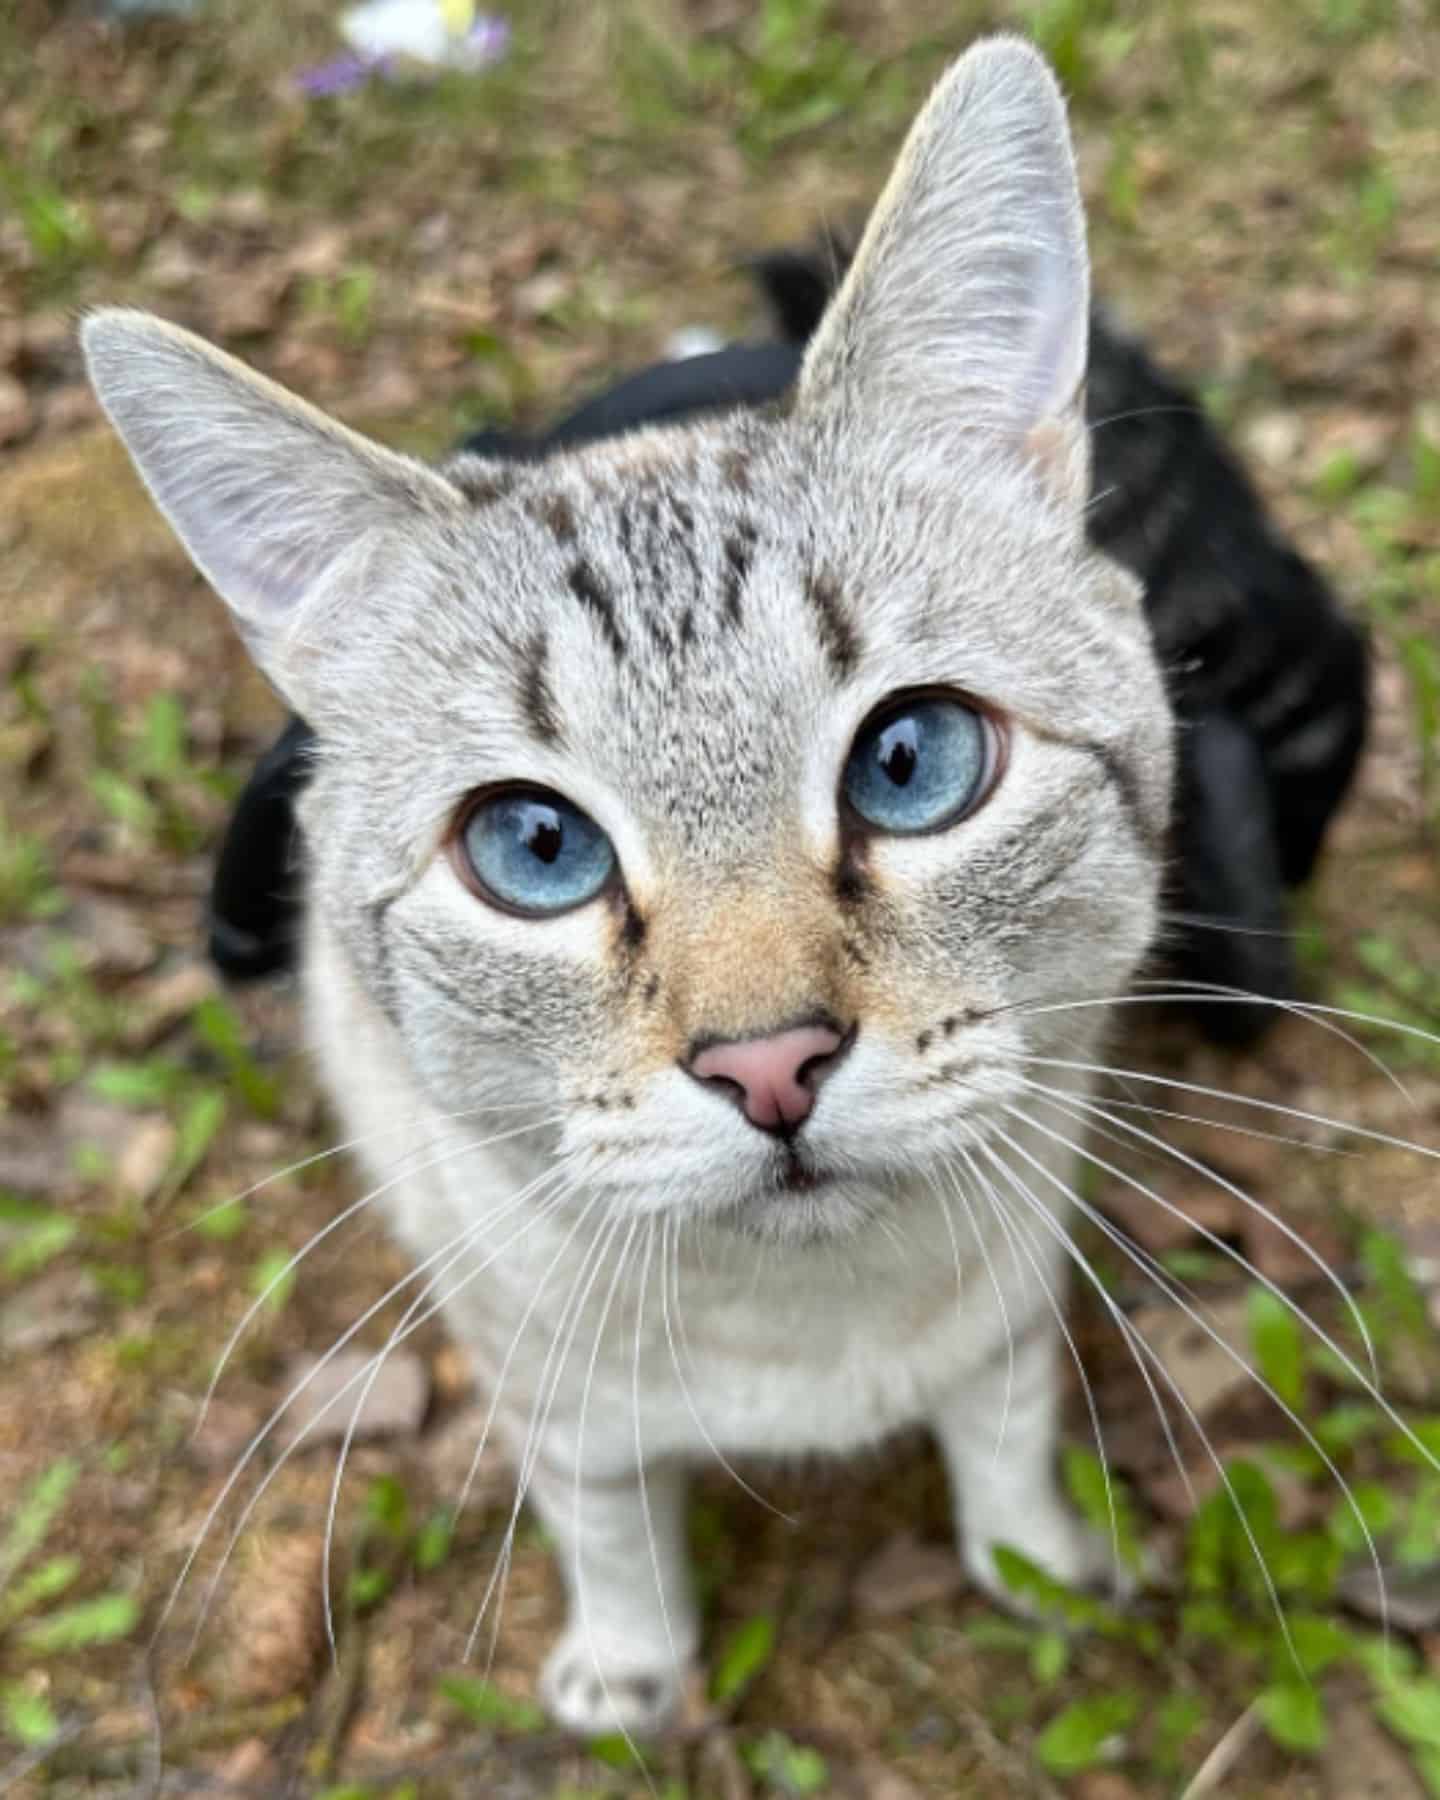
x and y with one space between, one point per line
797 1174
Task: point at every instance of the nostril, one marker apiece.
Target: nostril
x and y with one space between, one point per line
815 1068
726 1085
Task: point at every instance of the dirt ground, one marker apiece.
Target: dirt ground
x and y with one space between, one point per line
425 254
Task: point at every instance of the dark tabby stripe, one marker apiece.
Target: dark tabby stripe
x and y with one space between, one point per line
537 700
1267 675
838 637
595 597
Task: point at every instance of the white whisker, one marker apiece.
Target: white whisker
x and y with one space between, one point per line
1044 1216
1128 1330
1079 1110
676 1327
454 1248
591 1263
1009 1225
318 1156
585 1392
1168 1287
525 1196
333 1225
635 1411
1000 1302
1214 1093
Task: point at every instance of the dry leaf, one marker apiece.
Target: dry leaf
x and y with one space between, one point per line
879 1783
392 1404
1103 1784
57 1306
140 1167
1159 1229
905 1574
449 1454
1411 1600
1203 1371
274 1618
221 1437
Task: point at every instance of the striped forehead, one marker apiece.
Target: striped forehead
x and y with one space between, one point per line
686 621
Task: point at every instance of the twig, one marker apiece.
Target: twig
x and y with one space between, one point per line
1223 1758
465 312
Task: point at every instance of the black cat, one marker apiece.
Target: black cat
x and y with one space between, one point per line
1268 677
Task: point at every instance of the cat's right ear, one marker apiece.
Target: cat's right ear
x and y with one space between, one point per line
267 494
965 314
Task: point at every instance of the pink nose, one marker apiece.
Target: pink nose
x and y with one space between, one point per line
773 1074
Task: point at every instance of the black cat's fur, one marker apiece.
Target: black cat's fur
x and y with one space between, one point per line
1268 677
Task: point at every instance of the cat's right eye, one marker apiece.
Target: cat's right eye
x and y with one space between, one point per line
529 851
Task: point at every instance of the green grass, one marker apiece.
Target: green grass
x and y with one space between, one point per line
28 890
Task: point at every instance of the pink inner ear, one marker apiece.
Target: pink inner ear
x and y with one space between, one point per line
767 1071
1059 451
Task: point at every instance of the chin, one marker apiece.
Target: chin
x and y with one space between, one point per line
805 1203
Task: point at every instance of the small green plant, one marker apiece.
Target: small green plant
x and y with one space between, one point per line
1395 522
145 778
30 1584
60 986
786 1767
28 890
32 1235
194 1101
27 1717
745 1653
792 70
58 228
273 1279
1081 38
1398 986
1087 1732
1258 1609
487 1705
348 299
1364 220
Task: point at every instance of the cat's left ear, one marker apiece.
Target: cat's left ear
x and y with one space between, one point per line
965 314
267 494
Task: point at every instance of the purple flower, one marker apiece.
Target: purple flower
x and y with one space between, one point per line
341 75
486 41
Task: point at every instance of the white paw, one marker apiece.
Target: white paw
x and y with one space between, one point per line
1055 1540
594 1699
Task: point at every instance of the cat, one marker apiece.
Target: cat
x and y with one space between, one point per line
722 846
1268 675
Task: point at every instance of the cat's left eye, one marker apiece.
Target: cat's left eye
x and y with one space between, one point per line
920 763
530 851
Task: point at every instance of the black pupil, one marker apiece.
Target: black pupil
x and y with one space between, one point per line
544 836
897 752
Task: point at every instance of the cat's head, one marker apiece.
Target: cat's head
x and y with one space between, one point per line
738 792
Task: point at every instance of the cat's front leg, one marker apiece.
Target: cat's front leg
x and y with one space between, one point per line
632 1631
998 1432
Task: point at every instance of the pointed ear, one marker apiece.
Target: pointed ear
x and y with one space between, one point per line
966 308
265 492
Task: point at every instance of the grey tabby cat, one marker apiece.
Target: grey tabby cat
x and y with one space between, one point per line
706 828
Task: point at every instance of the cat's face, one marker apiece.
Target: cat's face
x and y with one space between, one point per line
685 639
638 767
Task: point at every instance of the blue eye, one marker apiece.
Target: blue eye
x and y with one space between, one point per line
534 852
919 764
